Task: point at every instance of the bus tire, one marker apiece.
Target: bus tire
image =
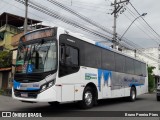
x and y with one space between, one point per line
158 98
132 96
88 98
53 103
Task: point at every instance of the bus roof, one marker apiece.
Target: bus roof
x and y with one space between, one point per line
99 44
61 30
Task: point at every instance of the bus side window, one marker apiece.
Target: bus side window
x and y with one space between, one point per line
69 60
71 56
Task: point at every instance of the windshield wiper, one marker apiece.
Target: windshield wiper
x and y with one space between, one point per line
47 53
34 50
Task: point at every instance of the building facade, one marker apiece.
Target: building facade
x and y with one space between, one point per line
11 29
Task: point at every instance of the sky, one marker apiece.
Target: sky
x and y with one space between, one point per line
100 12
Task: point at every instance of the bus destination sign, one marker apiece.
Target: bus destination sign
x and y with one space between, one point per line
38 34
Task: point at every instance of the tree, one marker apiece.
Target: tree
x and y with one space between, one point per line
5 59
150 78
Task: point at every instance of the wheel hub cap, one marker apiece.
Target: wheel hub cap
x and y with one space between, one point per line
88 98
133 95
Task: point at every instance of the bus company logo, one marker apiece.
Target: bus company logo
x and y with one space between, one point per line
23 85
18 87
89 76
35 85
6 114
26 81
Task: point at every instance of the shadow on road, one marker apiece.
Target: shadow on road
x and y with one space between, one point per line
114 101
73 106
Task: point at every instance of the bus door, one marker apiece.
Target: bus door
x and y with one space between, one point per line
68 70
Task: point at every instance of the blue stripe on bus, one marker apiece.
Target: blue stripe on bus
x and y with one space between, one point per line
135 84
102 46
16 85
33 89
106 74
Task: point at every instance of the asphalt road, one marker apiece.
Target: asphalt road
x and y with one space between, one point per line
146 102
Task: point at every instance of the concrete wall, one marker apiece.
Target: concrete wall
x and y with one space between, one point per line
9 31
15 39
0 80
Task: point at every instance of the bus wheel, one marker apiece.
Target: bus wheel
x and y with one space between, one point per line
132 96
88 98
54 103
158 98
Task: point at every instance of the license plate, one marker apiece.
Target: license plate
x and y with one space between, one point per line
24 94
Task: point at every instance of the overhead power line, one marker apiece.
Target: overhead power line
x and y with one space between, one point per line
140 50
84 3
145 21
51 13
144 31
150 32
80 16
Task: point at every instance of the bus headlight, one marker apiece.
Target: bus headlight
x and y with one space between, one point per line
44 87
47 85
50 84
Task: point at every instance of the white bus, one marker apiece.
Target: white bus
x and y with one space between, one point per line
54 65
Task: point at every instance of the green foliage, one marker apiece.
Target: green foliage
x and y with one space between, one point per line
5 59
150 79
1 92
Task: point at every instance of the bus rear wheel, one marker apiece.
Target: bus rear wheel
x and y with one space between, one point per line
132 96
158 98
88 98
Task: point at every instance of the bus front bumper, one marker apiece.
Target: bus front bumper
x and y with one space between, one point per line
48 95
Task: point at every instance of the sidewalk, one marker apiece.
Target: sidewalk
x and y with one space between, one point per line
6 92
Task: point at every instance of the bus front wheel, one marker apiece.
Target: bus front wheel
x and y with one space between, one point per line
88 98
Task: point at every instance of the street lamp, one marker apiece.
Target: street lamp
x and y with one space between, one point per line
132 23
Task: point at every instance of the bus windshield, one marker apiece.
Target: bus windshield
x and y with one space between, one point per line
37 57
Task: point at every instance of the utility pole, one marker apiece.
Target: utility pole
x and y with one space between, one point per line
114 26
117 8
26 15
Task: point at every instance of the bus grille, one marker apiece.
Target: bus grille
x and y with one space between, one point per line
34 77
30 94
